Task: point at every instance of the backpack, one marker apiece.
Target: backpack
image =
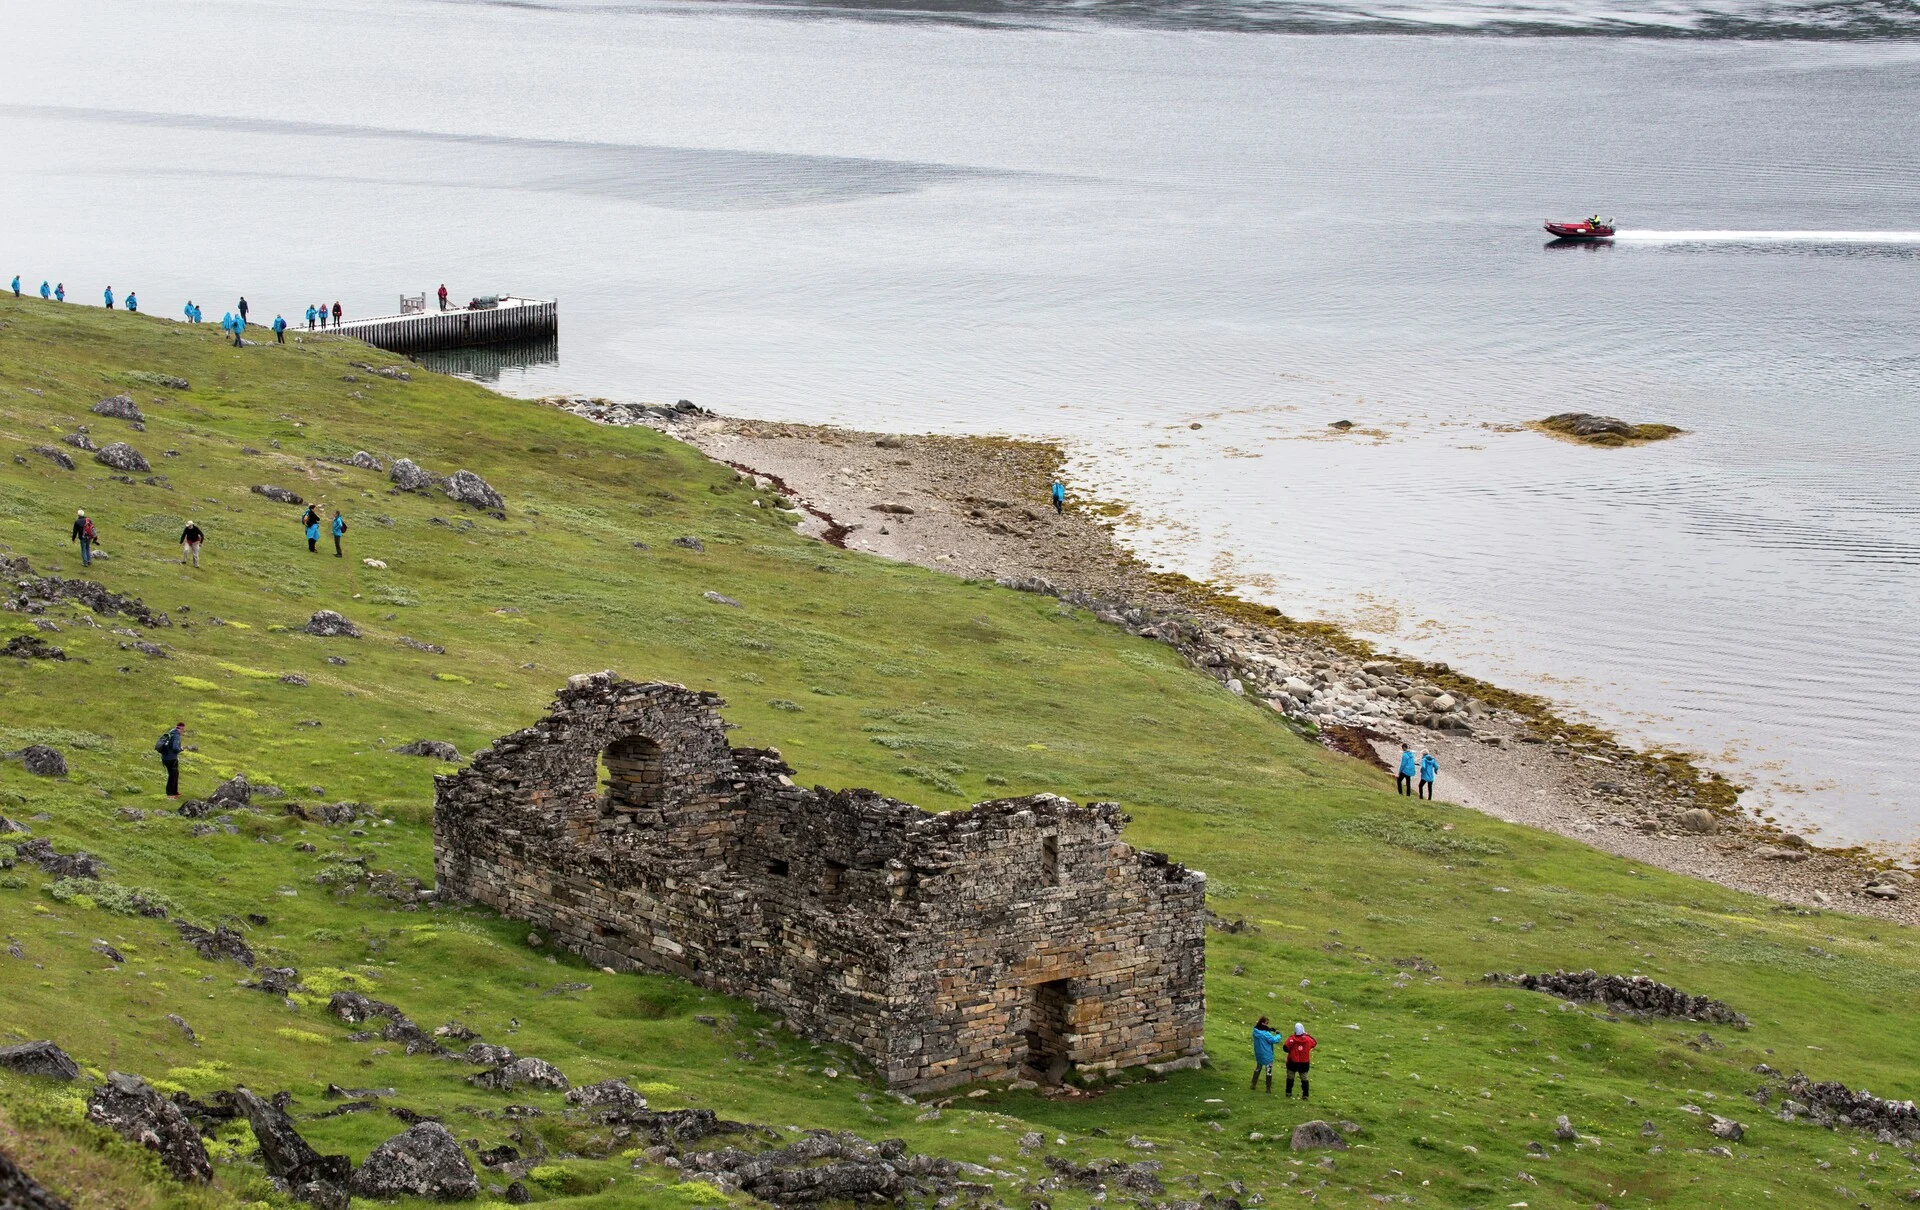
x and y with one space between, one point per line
164 744
86 531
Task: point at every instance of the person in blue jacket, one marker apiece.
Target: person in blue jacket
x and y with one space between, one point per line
1403 780
109 298
311 519
196 313
60 291
1264 1038
44 292
16 285
280 329
1429 768
133 301
339 530
1059 497
309 317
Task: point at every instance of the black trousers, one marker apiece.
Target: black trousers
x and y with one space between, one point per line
173 777
1403 783
1299 1069
1426 788
337 552
313 545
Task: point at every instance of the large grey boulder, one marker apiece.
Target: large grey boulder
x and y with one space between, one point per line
279 495
235 791
1698 820
131 1108
286 1155
121 407
470 489
121 457
57 457
43 761
439 749
18 1191
366 461
426 1161
527 1073
407 476
608 1096
1317 1136
329 625
39 1059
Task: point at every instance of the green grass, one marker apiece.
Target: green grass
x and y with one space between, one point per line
862 672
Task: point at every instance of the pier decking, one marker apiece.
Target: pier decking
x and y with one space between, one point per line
426 331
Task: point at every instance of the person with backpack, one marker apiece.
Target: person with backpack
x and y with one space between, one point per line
336 314
311 519
339 530
1429 769
168 746
1403 780
1299 1047
1059 497
443 296
85 535
280 329
190 539
1264 1037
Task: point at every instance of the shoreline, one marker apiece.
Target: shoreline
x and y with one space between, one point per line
975 507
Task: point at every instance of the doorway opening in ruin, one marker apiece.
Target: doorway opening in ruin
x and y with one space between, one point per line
1049 1022
1050 860
635 787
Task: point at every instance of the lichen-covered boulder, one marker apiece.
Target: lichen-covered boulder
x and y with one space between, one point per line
329 625
439 749
234 791
608 1096
121 457
470 489
1317 1136
522 1073
39 1059
57 457
408 476
426 1161
121 407
131 1108
366 461
42 761
18 1191
286 1155
279 495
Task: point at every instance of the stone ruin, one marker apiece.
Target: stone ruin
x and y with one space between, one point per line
1019 938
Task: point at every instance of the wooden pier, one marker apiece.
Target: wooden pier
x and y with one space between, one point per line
420 331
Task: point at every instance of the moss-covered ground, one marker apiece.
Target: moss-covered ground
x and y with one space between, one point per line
862 672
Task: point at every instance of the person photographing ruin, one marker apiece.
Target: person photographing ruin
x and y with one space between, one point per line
1264 1038
1299 1047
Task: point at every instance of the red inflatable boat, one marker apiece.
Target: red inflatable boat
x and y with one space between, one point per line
1581 229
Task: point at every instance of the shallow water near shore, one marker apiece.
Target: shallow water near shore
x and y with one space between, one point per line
1109 225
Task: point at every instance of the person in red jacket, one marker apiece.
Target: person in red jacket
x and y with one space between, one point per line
1299 1047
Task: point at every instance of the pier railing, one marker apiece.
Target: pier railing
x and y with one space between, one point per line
425 331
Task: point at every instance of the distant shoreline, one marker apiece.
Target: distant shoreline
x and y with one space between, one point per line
976 507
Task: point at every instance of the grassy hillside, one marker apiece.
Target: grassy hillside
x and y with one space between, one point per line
863 673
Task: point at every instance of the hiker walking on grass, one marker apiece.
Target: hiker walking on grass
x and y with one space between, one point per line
168 746
133 302
190 539
85 535
109 297
311 519
16 287
1059 498
44 291
60 291
1429 769
1299 1047
280 329
1403 781
339 530
1264 1037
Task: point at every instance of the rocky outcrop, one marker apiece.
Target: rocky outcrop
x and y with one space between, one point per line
522 1073
465 487
1317 1136
329 625
129 1106
221 943
42 761
39 1059
1633 994
408 476
1831 1103
121 407
122 457
279 495
426 1161
820 1168
286 1155
58 457
366 461
234 792
35 595
18 1191
61 865
608 1097
439 749
32 647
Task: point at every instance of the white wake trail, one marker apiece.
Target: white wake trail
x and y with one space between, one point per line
1770 237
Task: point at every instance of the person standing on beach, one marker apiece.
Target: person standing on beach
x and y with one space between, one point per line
311 519
280 329
1299 1047
109 297
1403 781
1059 493
339 531
336 313
1264 1037
190 539
1429 769
85 535
168 746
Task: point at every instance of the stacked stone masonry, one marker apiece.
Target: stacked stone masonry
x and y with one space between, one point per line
1017 938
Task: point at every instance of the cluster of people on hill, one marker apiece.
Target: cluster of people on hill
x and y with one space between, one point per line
56 292
1427 768
233 323
1297 1046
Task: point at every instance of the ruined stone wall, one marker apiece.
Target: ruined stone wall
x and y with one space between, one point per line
939 946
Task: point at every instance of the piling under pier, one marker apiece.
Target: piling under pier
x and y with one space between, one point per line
511 319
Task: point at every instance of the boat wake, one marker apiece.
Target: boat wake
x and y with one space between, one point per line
1768 237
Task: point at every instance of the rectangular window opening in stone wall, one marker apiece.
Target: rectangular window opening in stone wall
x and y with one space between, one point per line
1050 860
636 781
777 868
833 881
1049 1024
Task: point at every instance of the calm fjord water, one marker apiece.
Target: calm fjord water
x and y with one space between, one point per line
1107 222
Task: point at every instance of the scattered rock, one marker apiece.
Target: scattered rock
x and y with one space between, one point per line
79 440
407 476
528 1072
121 457
366 461
891 442
1698 820
287 1156
689 543
279 495
35 596
1317 1135
60 865
216 944
898 510
720 599
328 625
18 1191
235 791
356 1009
1342 425
129 1106
121 407
426 1161
608 1095
293 678
1881 890
39 1059
470 489
439 749
1767 852
1626 994
1836 1103
57 457
42 761
417 645
1563 1129
1725 1128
